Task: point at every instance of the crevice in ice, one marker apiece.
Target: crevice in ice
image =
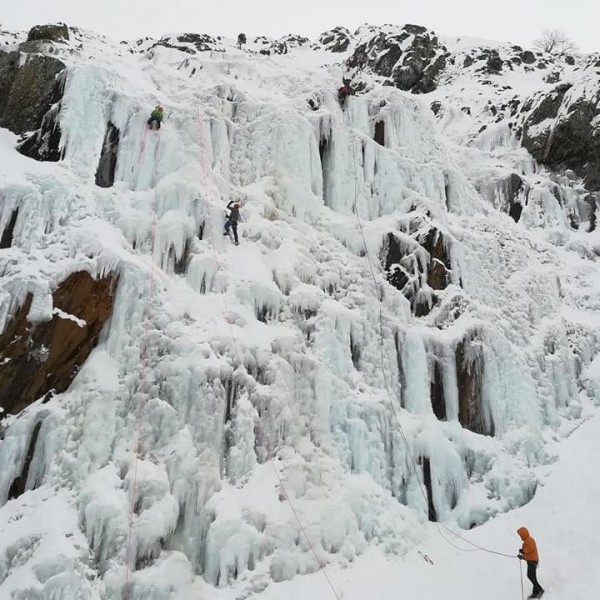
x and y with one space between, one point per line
204 275
594 204
7 234
515 211
105 174
431 514
355 352
447 192
231 392
179 264
327 171
265 310
438 401
379 135
19 484
363 150
401 377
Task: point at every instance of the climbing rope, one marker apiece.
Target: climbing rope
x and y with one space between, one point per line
521 580
143 364
395 415
205 163
142 145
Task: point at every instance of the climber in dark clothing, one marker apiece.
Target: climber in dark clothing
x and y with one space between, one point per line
232 220
343 94
156 117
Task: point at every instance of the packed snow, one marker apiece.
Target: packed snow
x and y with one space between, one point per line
284 387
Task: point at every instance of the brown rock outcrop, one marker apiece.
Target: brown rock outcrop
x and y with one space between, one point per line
37 358
410 272
472 414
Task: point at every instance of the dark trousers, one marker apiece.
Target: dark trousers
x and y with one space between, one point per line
532 576
156 122
233 225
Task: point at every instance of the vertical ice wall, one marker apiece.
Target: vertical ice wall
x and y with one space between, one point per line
277 374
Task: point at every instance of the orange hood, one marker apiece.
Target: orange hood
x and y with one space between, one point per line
523 533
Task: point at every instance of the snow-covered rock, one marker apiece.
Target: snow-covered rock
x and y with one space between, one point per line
561 127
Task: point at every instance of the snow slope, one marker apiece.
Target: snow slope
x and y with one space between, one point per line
564 518
286 397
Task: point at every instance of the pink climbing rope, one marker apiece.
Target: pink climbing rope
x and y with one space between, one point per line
143 364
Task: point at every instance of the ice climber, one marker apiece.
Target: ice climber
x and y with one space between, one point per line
529 553
232 220
156 117
343 94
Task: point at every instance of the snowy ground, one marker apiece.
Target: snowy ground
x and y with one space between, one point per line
564 518
253 350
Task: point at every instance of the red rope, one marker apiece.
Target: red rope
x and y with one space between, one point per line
143 144
143 363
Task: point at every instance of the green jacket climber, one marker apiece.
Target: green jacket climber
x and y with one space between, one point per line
156 117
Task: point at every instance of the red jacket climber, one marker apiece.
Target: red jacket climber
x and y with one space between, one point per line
343 93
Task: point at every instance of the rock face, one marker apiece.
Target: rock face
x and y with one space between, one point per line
411 58
294 41
493 62
336 40
105 174
472 414
44 144
30 101
561 130
417 262
191 43
266 46
9 67
29 90
38 358
58 32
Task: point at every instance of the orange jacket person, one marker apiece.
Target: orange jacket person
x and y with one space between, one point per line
529 553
